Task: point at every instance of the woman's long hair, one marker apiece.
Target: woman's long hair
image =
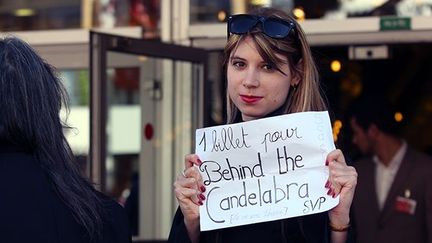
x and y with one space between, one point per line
31 96
306 96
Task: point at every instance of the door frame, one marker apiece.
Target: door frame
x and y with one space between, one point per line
163 201
103 43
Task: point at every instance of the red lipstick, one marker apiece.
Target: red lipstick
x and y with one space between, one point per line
250 99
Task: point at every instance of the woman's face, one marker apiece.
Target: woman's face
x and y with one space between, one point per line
255 87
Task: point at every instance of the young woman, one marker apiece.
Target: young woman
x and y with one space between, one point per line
270 71
44 197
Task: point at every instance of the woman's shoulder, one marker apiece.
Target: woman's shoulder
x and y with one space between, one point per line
31 179
116 226
114 213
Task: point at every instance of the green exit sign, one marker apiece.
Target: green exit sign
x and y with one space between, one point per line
395 23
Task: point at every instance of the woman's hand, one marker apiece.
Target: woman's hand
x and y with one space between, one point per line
342 181
188 189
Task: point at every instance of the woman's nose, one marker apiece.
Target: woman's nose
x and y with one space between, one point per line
251 79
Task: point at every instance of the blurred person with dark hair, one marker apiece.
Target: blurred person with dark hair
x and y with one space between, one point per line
393 200
45 198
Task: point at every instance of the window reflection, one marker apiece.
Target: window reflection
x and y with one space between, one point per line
51 14
205 11
26 15
39 15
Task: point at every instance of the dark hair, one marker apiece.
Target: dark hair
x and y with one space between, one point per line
31 96
307 95
375 110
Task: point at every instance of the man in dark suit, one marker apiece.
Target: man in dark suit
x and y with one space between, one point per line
393 201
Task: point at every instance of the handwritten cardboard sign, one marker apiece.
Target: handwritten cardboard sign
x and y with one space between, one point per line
266 169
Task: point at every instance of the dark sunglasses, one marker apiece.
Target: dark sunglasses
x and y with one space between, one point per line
273 27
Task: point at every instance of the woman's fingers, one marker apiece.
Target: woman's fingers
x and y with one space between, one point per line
341 176
188 189
191 160
335 156
188 186
187 195
342 182
192 172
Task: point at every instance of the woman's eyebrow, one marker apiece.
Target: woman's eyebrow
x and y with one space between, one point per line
237 57
243 59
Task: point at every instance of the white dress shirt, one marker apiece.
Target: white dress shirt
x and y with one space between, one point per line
385 175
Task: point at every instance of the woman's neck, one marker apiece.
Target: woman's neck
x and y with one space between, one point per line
277 112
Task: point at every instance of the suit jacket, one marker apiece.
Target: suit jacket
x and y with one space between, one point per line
392 224
31 210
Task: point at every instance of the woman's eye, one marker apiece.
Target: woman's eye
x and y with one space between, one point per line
268 67
238 64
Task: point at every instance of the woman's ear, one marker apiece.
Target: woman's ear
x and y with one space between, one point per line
295 79
297 73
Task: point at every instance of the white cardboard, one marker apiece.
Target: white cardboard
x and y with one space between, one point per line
266 169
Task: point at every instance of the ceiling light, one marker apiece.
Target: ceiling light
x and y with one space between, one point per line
299 13
261 2
24 12
335 66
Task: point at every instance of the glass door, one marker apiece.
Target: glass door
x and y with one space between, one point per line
147 98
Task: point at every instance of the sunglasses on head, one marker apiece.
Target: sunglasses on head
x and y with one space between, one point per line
271 26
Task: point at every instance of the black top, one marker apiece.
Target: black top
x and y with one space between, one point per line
311 229
31 211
